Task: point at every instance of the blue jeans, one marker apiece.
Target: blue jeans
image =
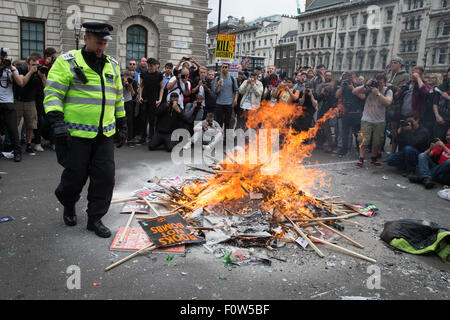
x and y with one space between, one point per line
406 159
429 169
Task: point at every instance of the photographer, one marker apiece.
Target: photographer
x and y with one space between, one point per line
308 102
413 139
271 89
25 97
181 85
151 90
327 100
8 74
441 107
413 94
170 116
207 128
373 121
251 91
434 164
351 114
210 94
194 111
43 129
393 112
286 92
128 94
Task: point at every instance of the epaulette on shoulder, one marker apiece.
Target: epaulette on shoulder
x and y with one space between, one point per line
113 60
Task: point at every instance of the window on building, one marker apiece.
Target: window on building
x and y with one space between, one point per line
352 41
136 42
277 55
372 62
446 28
309 26
390 14
322 42
307 43
301 44
365 17
323 23
327 61
303 27
343 22
350 63
445 3
284 54
374 38
314 43
362 37
361 63
32 37
331 22
329 41
300 62
387 36
442 55
339 63
354 20
384 61
316 23
292 53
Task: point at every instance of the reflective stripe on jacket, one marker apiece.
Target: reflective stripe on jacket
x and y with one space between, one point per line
84 104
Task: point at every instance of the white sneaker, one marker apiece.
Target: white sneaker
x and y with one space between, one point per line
39 148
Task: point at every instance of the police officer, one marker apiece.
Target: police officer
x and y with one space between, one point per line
84 104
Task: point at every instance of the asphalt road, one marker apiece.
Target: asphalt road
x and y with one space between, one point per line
36 248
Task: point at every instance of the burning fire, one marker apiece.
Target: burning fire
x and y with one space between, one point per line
281 181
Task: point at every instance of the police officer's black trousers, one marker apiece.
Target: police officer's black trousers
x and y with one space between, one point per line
83 159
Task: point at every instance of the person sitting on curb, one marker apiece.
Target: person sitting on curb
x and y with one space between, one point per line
431 171
413 139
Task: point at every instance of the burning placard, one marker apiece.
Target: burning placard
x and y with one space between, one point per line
168 231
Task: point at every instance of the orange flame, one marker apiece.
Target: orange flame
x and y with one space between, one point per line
283 182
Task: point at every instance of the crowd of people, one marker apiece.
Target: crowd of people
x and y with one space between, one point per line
406 116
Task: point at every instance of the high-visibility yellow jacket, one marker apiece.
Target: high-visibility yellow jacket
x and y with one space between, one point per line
86 107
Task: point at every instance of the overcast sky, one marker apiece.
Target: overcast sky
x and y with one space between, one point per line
252 9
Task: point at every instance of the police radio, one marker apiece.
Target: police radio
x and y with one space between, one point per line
80 73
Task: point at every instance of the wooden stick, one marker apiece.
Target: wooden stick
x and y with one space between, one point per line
342 235
328 219
150 247
352 253
203 170
127 225
124 200
151 206
300 232
352 222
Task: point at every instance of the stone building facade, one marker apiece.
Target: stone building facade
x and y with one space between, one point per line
163 29
285 52
364 35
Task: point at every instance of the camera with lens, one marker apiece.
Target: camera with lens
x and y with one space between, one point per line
346 83
184 76
129 80
405 123
404 87
374 84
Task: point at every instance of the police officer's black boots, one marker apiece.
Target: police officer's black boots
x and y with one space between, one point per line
97 226
69 216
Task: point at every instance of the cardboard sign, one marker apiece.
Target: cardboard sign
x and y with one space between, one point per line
225 46
168 231
137 239
138 208
143 193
